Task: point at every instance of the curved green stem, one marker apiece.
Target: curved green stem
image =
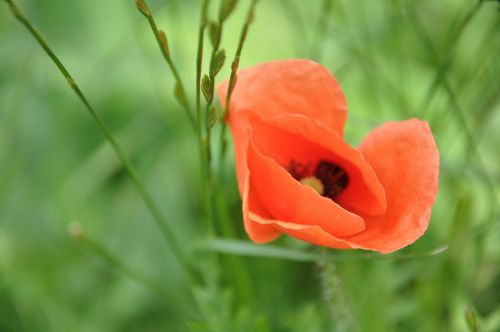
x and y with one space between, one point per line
160 220
232 77
161 39
78 234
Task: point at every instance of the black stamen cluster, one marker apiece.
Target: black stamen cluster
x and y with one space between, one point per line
333 178
298 170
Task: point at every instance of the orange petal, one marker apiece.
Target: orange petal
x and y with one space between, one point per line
289 86
309 233
287 199
258 232
406 161
240 132
304 140
262 228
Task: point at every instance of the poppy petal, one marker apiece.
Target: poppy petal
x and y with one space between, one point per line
258 232
283 196
290 86
304 140
309 233
240 131
262 228
406 160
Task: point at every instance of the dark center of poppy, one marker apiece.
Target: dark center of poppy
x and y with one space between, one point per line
333 178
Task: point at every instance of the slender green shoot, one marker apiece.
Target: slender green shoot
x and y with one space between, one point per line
199 122
77 232
160 220
161 39
246 248
334 295
445 64
442 79
199 61
233 77
207 87
217 59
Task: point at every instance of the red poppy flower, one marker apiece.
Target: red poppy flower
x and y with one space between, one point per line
297 175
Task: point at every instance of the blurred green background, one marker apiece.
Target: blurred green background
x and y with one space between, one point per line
395 59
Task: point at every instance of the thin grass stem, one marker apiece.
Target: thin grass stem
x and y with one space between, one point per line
211 89
334 296
245 248
199 61
233 76
442 79
161 39
208 88
199 122
442 68
160 220
78 234
241 275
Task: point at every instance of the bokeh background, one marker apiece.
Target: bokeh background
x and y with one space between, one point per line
395 59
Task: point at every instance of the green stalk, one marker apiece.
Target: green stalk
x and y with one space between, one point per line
199 123
334 296
240 273
442 79
443 66
161 39
78 234
241 276
167 232
199 61
232 77
211 76
205 142
215 204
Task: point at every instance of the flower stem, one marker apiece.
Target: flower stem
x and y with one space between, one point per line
232 77
160 220
334 296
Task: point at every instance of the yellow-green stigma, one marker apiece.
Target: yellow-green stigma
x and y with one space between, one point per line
314 183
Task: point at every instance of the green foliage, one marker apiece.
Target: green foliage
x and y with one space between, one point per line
470 317
205 88
212 117
218 62
214 32
436 60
